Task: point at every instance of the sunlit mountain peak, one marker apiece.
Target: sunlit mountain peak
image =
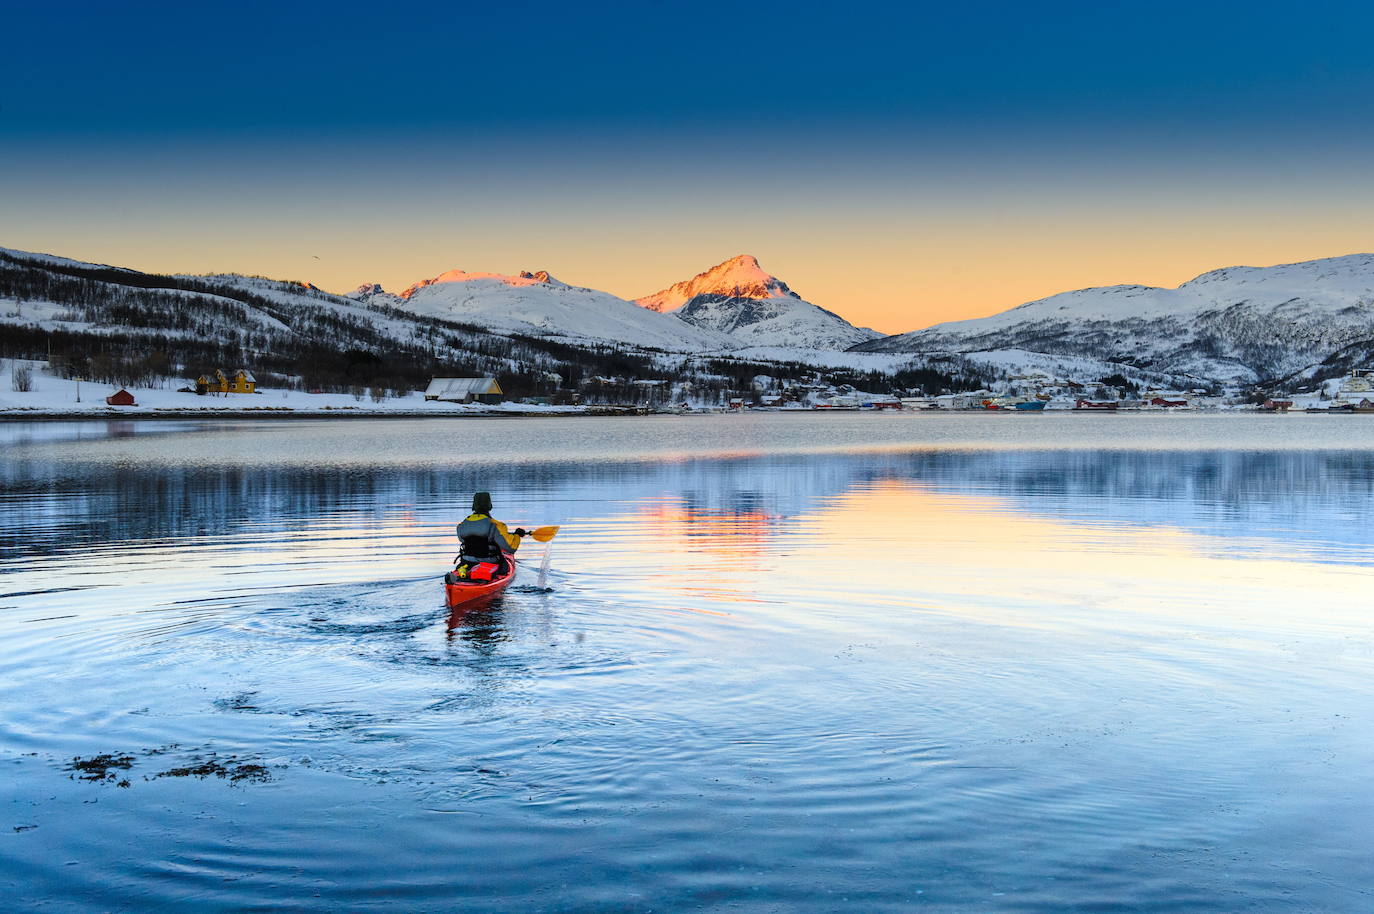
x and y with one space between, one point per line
739 277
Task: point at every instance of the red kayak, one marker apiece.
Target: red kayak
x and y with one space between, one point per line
462 593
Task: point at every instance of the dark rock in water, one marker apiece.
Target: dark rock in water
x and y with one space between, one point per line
243 701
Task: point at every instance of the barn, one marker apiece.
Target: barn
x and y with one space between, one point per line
121 397
465 390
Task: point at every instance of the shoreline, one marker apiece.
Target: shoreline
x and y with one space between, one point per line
210 415
113 414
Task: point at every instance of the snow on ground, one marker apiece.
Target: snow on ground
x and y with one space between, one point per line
1021 362
45 314
59 395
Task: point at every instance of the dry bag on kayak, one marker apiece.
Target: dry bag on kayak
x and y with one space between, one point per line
483 571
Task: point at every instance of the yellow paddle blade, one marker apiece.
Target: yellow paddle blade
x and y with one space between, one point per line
543 534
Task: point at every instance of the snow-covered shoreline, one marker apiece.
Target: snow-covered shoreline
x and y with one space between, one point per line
55 398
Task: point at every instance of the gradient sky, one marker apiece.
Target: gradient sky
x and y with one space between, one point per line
899 164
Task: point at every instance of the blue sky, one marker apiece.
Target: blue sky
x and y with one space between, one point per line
173 68
655 139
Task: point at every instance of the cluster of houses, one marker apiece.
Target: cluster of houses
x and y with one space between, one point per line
448 390
984 399
240 382
1030 392
1034 391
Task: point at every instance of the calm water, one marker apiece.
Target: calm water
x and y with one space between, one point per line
782 663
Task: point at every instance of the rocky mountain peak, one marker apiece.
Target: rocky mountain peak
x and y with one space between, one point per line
739 277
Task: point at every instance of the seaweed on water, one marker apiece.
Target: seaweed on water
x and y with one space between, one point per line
231 769
101 767
110 767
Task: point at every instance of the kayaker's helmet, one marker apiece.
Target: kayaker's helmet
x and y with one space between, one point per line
481 503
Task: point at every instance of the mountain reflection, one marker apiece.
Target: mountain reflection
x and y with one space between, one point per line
722 505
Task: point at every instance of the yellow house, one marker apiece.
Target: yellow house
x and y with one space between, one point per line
240 383
212 383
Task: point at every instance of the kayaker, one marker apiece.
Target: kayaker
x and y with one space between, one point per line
484 538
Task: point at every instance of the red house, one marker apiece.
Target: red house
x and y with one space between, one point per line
121 397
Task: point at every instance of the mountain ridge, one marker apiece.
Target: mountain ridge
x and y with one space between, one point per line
1235 326
1238 324
534 302
735 304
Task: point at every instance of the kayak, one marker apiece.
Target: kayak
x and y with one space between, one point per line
465 592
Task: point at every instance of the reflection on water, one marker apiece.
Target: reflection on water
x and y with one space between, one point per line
949 673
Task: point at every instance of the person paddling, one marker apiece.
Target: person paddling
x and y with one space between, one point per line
485 539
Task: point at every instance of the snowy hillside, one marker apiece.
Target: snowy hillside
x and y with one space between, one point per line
1237 324
740 298
539 305
135 328
154 333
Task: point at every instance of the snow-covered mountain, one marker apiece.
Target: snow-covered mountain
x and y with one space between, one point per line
539 305
1236 324
371 294
146 330
740 298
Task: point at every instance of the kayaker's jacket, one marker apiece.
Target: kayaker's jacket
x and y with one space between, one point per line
485 538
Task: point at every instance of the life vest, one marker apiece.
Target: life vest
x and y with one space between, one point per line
481 538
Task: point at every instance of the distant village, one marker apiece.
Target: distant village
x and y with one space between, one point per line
1029 392
1032 391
